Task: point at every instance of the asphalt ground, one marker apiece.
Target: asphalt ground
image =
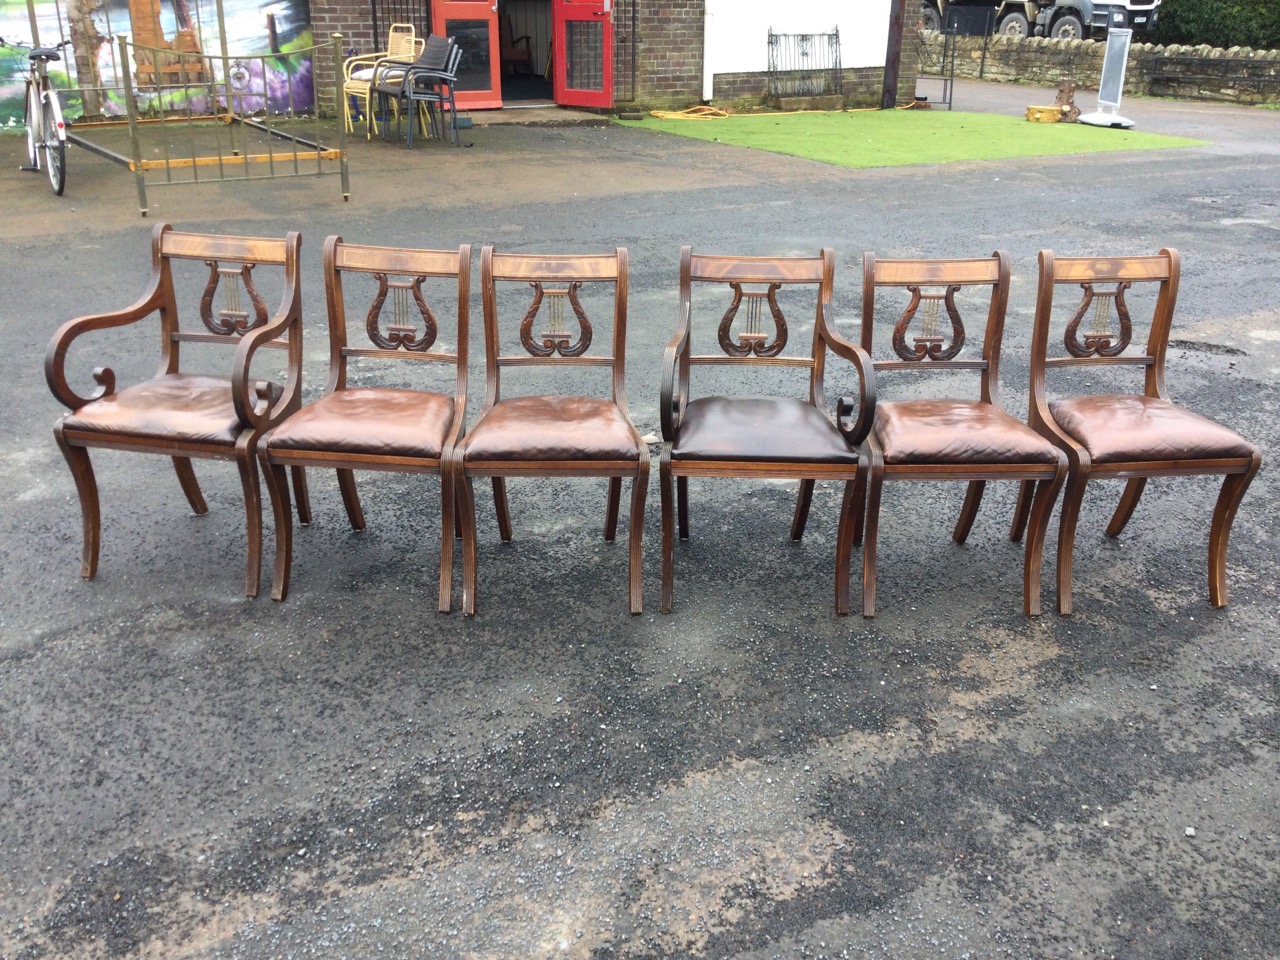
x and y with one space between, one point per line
187 773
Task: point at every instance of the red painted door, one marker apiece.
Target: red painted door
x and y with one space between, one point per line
475 26
583 52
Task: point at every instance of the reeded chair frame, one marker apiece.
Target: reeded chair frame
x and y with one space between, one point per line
373 427
755 281
973 440
182 415
552 435
1156 437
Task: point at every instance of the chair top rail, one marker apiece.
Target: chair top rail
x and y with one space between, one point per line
193 246
520 266
364 258
1111 269
901 273
710 267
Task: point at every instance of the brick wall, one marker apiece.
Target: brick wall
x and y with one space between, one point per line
351 19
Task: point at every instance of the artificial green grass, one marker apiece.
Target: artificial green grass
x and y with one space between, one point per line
893 138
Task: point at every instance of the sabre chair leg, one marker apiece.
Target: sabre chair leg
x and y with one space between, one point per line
871 536
1022 510
682 503
804 498
500 505
351 498
190 486
666 503
844 547
1128 503
1224 514
859 505
1033 558
611 509
87 491
448 500
278 490
1072 497
467 515
301 496
968 512
635 560
246 460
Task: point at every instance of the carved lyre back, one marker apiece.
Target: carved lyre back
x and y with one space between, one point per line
1102 304
756 309
557 310
230 303
928 303
406 304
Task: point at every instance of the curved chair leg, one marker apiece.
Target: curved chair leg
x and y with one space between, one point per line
611 509
682 503
448 500
500 504
666 498
1022 510
1224 514
1128 503
844 545
351 498
87 491
278 490
968 512
246 460
871 535
464 493
635 561
1071 500
1046 492
190 486
859 505
804 499
301 496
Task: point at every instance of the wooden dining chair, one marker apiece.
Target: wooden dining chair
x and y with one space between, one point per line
380 427
553 434
931 437
752 436
1128 436
181 414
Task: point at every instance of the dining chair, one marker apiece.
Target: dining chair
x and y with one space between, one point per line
538 318
931 435
178 413
758 436
1130 436
359 71
403 300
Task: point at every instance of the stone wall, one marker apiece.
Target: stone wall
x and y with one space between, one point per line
1238 75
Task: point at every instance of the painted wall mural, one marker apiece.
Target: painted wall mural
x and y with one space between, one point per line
268 44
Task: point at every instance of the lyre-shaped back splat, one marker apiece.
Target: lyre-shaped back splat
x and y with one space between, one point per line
400 332
556 338
232 318
1100 340
929 344
754 339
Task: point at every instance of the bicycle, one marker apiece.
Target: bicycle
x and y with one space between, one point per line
46 130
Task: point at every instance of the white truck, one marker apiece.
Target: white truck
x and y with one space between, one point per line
1065 19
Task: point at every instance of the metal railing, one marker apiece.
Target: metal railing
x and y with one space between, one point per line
804 64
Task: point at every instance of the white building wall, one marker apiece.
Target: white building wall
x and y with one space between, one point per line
737 32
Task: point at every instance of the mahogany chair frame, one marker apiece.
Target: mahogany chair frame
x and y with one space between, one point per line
1112 350
1023 455
400 273
853 416
258 405
554 348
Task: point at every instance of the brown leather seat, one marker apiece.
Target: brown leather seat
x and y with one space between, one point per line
189 415
545 435
1128 436
775 437
974 440
375 427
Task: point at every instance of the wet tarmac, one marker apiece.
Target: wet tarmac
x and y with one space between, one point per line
188 773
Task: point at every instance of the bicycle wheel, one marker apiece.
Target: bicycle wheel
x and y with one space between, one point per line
55 148
32 121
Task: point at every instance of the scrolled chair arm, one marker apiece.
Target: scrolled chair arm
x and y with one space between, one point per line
55 357
854 415
675 378
252 398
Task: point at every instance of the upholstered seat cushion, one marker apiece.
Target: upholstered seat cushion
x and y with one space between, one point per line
957 431
1117 428
377 421
184 407
553 428
759 430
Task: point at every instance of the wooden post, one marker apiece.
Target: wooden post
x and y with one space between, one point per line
893 54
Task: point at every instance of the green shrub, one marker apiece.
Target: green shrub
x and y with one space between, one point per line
1220 23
